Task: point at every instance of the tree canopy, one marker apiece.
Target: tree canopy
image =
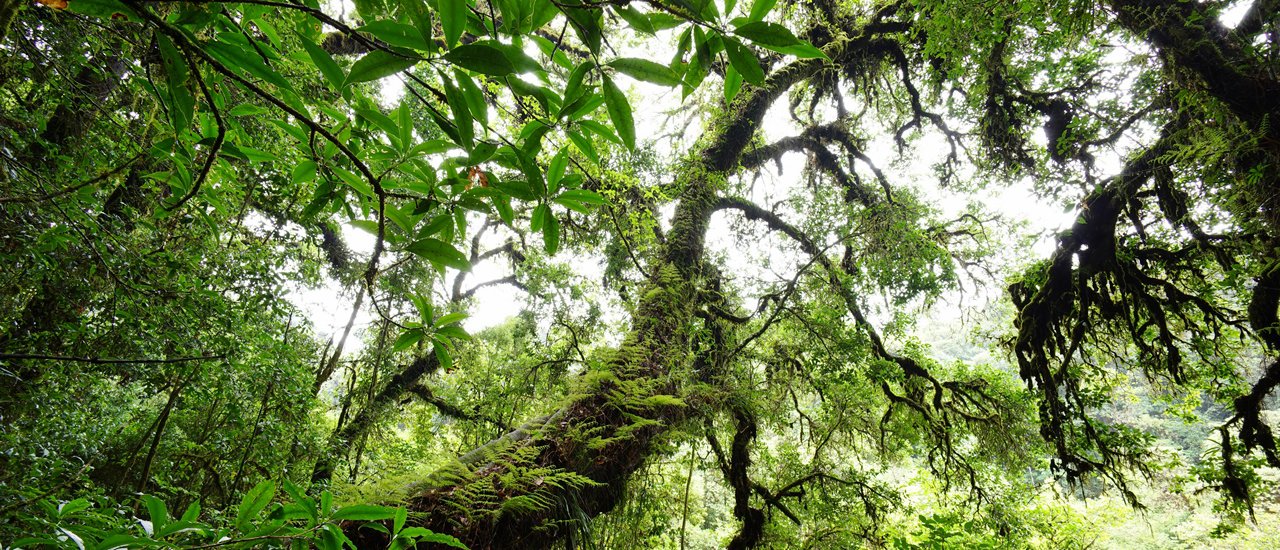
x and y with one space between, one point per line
724 227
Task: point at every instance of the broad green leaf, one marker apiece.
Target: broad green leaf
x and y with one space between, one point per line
481 58
234 51
355 181
743 60
573 88
157 511
551 235
556 168
539 217
436 250
601 130
584 146
583 195
397 34
426 535
421 17
761 8
638 21
442 353
364 513
106 9
732 83
475 98
253 502
304 172
648 71
377 64
449 319
453 19
247 109
408 339
462 120
323 61
620 113
777 38
181 101
586 23
521 61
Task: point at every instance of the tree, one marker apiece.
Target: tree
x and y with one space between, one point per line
257 126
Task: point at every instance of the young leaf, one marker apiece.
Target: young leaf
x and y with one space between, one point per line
620 113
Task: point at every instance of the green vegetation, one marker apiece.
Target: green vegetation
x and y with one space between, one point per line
803 312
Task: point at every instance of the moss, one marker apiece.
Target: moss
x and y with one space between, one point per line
8 12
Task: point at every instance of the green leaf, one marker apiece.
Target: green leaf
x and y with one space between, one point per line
364 512
323 61
239 56
638 21
356 182
449 319
551 235
398 523
539 217
778 38
107 9
421 17
584 145
743 60
515 54
573 88
377 64
253 502
620 113
247 109
397 34
732 83
181 101
155 509
304 172
453 19
475 98
481 58
583 196
555 170
426 535
462 120
438 251
761 8
648 71
441 350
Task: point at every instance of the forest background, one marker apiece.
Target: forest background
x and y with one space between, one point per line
659 273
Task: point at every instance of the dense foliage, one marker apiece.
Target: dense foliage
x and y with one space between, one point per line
731 328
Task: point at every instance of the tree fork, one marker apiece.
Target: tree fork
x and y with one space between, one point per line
656 347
